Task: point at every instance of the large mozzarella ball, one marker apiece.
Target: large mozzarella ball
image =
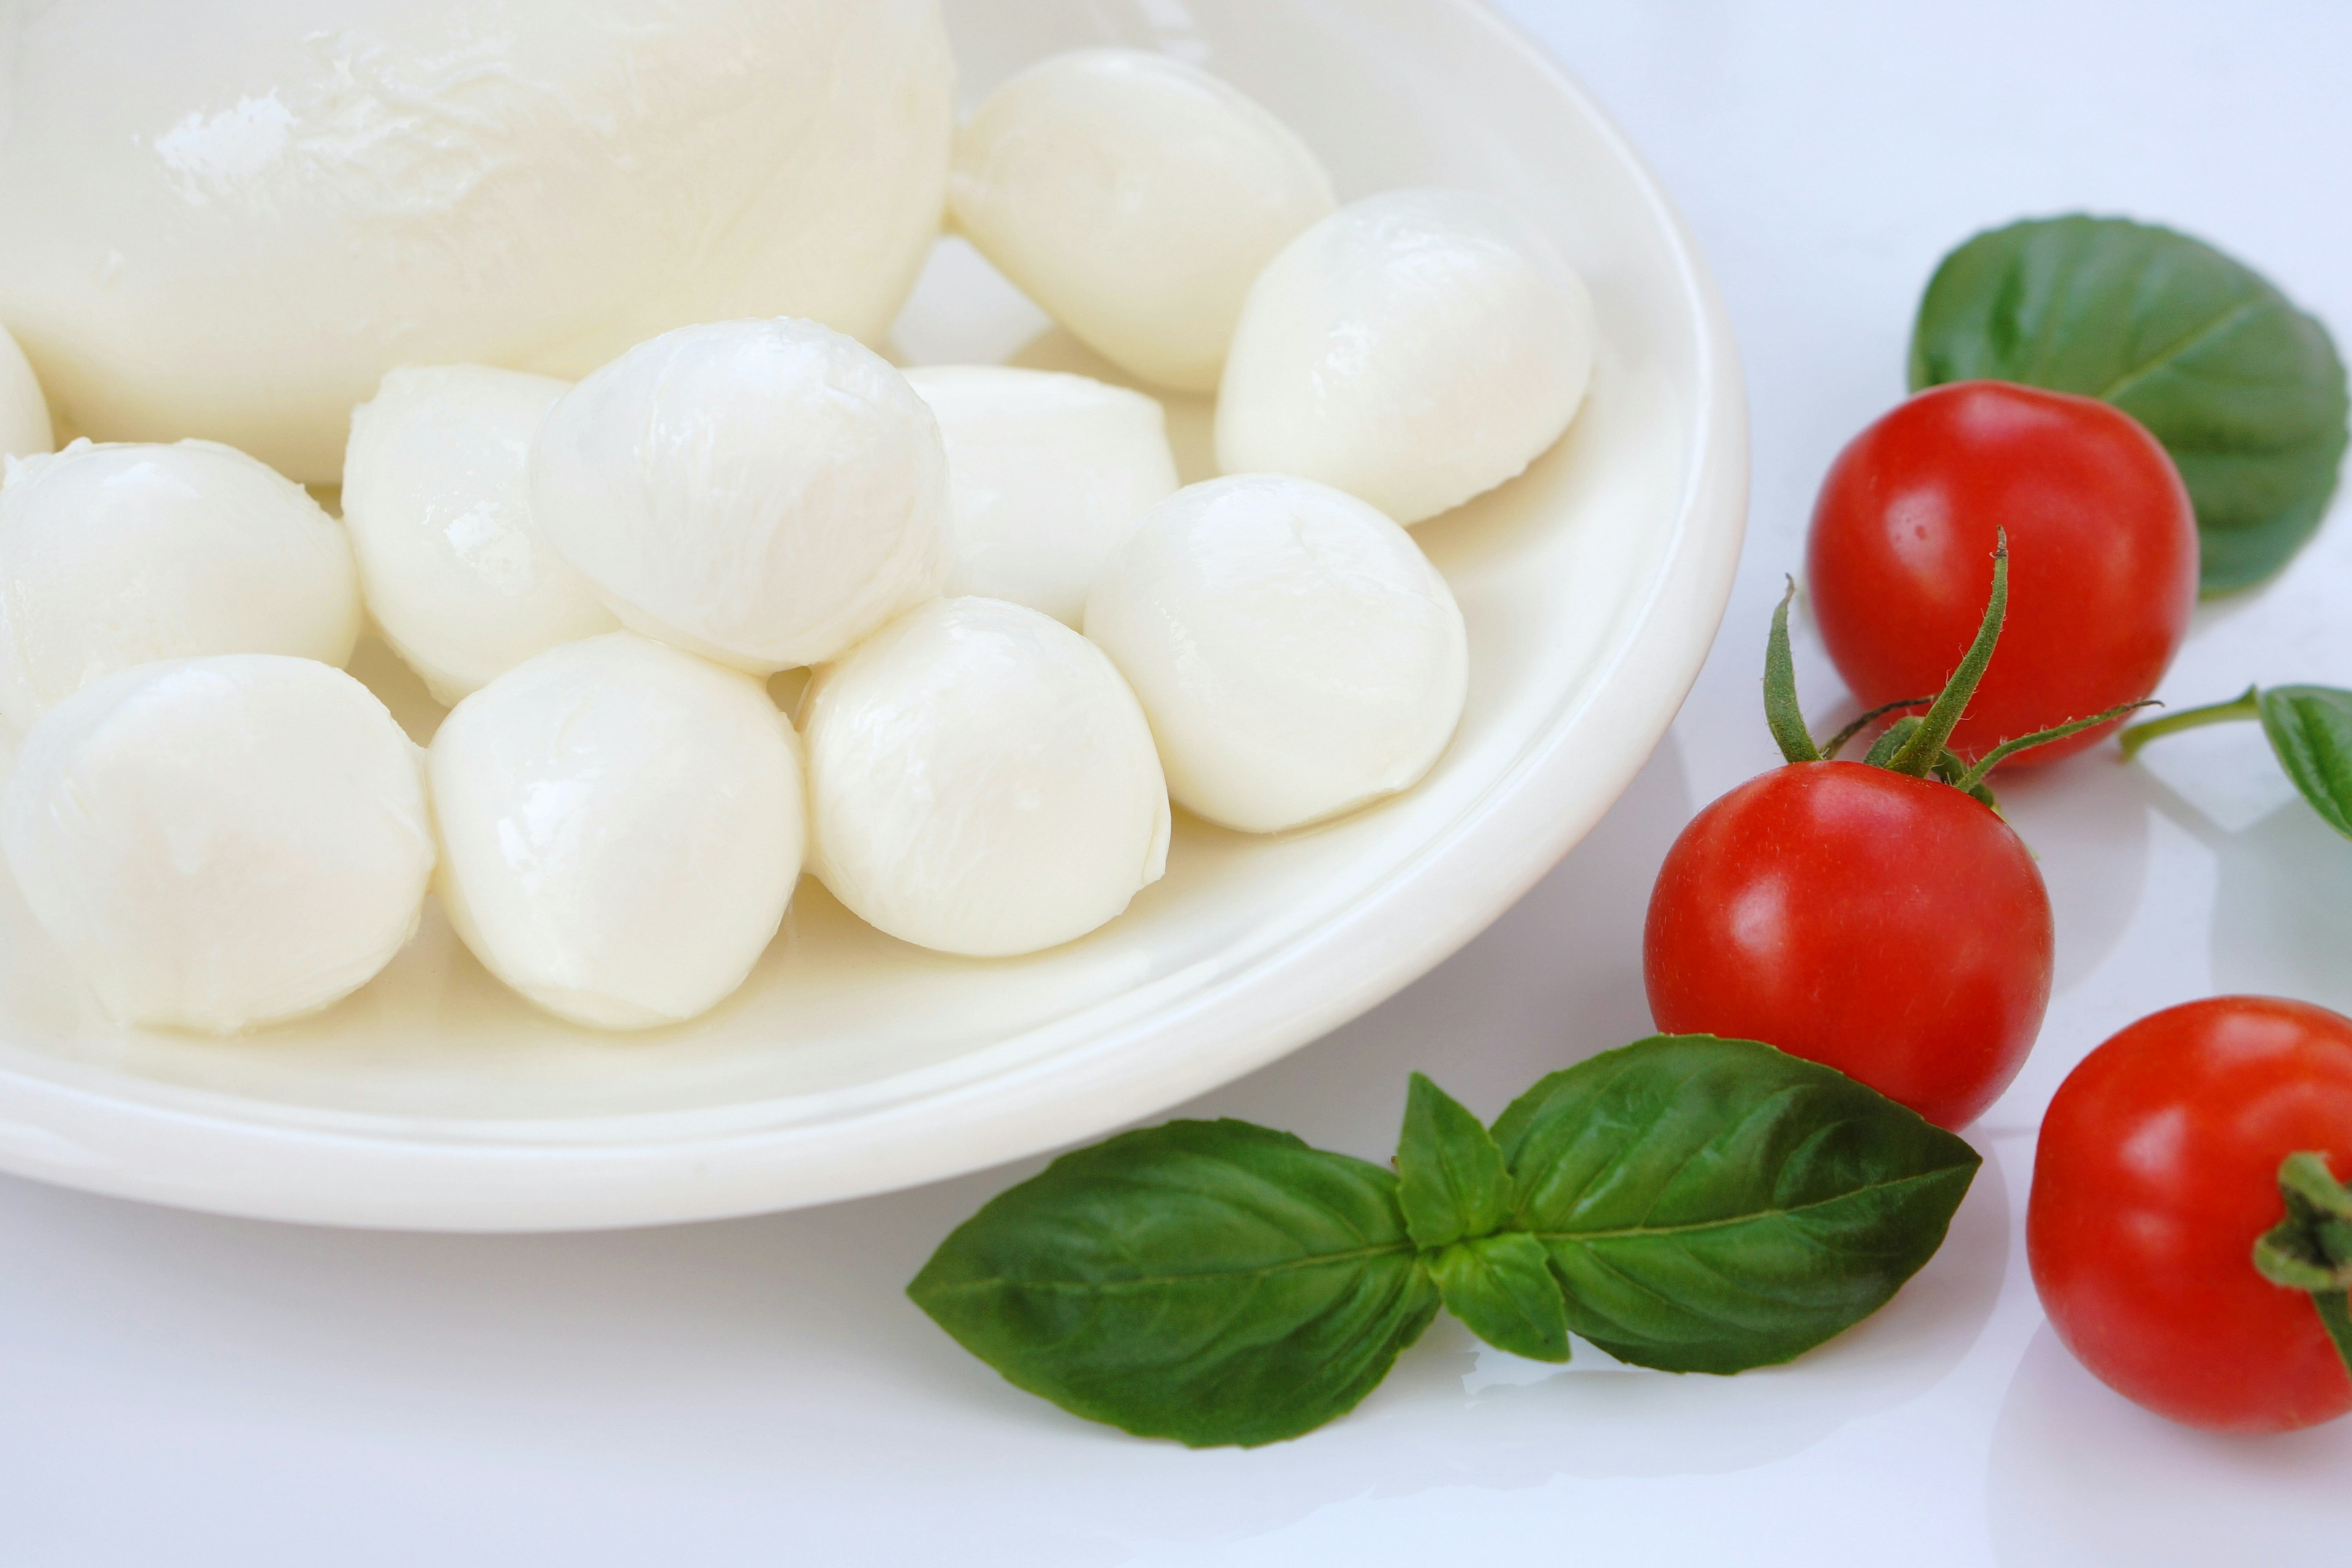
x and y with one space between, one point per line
1414 350
118 555
981 782
435 496
1049 473
762 493
221 842
1298 654
621 828
229 220
24 414
1135 197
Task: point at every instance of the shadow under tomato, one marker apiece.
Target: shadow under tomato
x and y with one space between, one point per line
2282 909
2085 820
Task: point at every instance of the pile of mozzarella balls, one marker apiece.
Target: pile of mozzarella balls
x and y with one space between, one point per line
1024 639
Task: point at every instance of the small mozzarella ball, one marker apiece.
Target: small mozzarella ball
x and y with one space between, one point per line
1135 197
221 842
1414 350
439 514
981 782
762 493
621 829
1298 654
24 428
121 555
1048 474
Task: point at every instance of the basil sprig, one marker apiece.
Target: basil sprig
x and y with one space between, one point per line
1686 1202
2244 390
2310 731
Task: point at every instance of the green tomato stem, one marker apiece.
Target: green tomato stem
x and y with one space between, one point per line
2250 706
1919 754
1898 735
2311 1249
2336 1312
1843 738
1783 711
2008 749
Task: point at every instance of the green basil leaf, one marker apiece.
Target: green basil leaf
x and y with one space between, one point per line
2246 392
1502 1288
1451 1182
1210 1281
2310 728
1711 1206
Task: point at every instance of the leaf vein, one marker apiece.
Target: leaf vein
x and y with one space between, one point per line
1625 1233
2226 322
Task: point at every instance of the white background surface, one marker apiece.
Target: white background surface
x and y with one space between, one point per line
183 1390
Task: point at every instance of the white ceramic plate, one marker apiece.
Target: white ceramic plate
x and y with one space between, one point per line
852 1064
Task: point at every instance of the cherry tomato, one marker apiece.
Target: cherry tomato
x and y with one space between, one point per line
1891 926
2158 1169
2105 546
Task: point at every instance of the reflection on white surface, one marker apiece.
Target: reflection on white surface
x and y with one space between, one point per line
2082 1479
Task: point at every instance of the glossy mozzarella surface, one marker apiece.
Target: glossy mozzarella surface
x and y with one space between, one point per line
113 556
981 782
435 496
24 414
1048 474
621 828
221 842
1416 349
762 493
1298 654
313 191
1135 197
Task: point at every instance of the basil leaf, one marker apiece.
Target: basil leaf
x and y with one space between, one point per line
2310 728
1711 1206
1502 1288
1210 1281
1450 1179
2245 391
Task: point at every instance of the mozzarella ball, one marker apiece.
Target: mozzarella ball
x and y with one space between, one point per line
621 828
1414 350
1047 474
221 842
1135 197
762 493
313 191
439 513
24 414
1298 654
981 782
121 555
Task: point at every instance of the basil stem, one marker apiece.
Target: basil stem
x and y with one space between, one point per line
2310 732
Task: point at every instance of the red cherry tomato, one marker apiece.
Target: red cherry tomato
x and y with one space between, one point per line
2157 1171
2102 534
1888 926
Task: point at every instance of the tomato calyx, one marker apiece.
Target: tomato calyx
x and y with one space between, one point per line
2311 1249
1918 745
